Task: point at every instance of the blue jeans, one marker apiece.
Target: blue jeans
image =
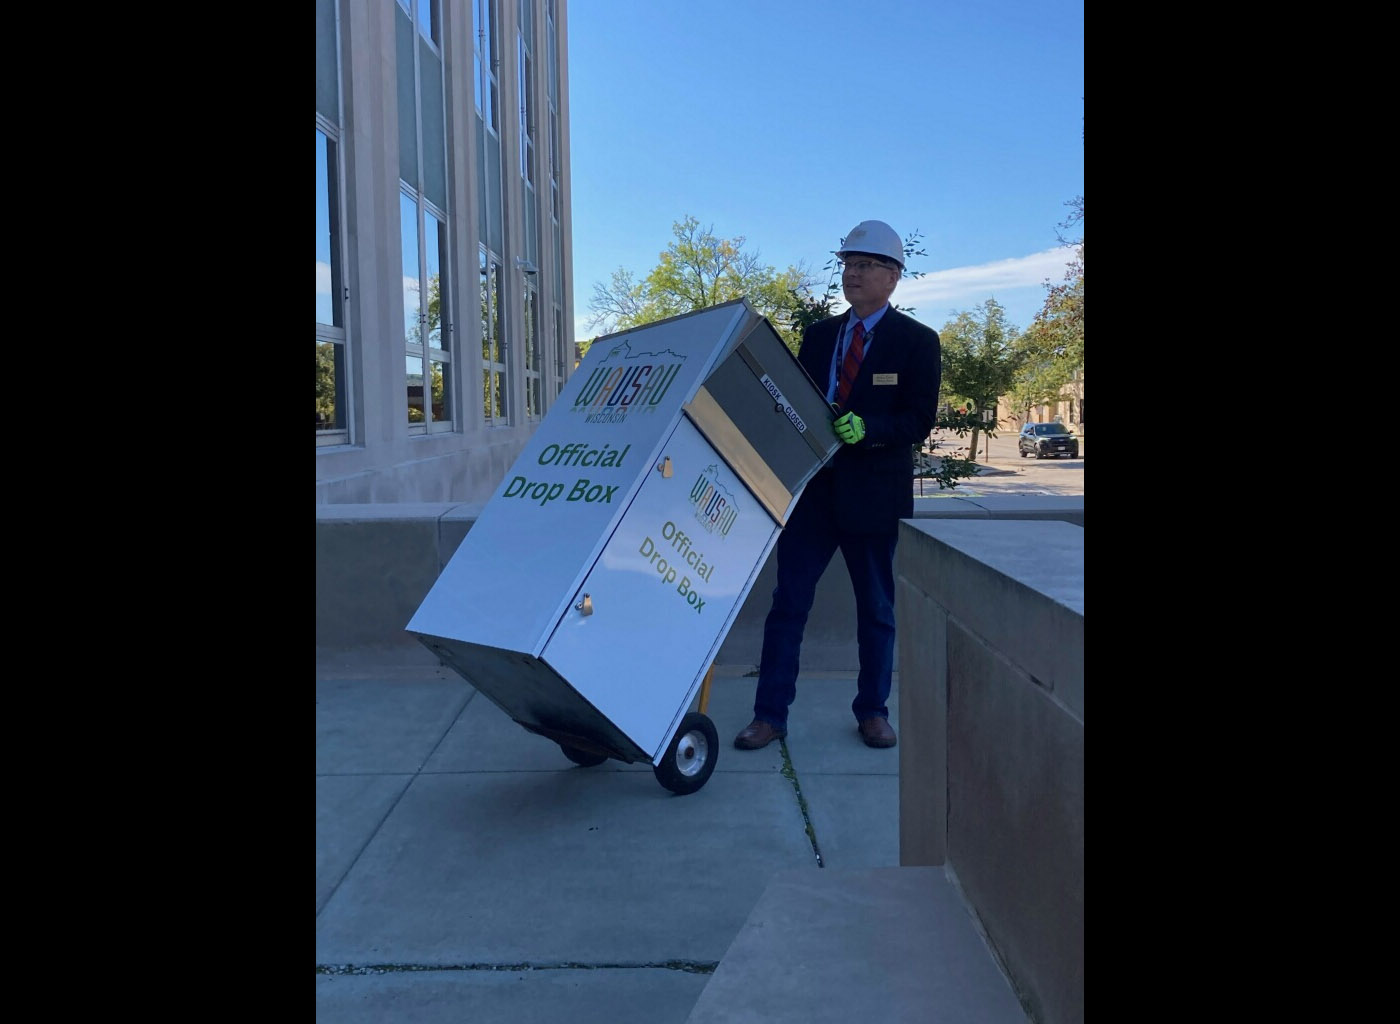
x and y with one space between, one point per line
804 550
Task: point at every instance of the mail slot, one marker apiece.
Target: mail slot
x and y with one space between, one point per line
764 414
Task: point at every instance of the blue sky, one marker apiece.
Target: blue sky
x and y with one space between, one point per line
790 122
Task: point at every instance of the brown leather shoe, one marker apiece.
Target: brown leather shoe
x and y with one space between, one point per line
877 732
757 734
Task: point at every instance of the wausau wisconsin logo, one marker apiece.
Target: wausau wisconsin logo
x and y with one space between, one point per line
714 504
624 382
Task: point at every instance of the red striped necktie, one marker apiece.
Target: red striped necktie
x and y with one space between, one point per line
851 364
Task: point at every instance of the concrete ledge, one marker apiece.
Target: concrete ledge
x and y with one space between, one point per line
1068 508
375 563
881 944
991 769
1018 586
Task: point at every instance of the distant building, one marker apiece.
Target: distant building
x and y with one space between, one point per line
444 302
1068 409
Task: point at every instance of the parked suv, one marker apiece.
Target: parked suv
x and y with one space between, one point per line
1046 439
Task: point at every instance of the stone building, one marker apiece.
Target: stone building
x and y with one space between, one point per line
444 305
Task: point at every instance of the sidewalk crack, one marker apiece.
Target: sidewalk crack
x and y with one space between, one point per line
790 774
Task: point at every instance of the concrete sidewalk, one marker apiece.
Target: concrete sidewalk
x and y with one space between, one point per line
467 871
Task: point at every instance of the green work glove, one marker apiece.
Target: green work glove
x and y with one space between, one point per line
849 428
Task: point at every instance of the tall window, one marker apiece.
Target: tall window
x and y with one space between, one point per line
332 415
526 89
493 346
560 369
556 229
495 380
427 296
533 371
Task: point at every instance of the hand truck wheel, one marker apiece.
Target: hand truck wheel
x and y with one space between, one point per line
691 757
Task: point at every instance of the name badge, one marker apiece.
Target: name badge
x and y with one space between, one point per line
886 378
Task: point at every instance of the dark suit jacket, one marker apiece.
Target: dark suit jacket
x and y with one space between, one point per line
869 486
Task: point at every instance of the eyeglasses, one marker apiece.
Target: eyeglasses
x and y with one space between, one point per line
862 266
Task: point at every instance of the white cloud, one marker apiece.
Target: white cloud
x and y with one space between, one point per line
986 279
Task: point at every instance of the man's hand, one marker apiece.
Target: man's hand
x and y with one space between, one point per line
849 428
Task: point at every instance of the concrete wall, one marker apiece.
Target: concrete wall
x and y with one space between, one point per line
375 563
991 770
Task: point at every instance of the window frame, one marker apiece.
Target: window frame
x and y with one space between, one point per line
427 355
536 395
337 335
491 278
534 352
556 233
495 376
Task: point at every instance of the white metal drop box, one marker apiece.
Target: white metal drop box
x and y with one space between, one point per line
591 596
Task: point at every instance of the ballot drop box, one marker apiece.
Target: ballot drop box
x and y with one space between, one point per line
592 594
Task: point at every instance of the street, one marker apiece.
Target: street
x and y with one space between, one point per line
1005 471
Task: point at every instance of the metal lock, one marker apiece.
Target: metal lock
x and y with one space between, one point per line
585 607
664 468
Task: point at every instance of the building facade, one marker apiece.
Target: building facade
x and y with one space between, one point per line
444 305
1068 409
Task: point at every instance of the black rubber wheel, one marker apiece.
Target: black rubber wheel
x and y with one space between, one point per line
584 757
690 759
1022 453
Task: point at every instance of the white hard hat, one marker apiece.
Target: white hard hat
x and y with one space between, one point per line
877 238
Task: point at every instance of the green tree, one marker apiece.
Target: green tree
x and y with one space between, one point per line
435 340
434 311
697 270
1064 303
1045 370
1053 346
981 361
325 385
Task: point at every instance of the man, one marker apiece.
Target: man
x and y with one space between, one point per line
881 370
